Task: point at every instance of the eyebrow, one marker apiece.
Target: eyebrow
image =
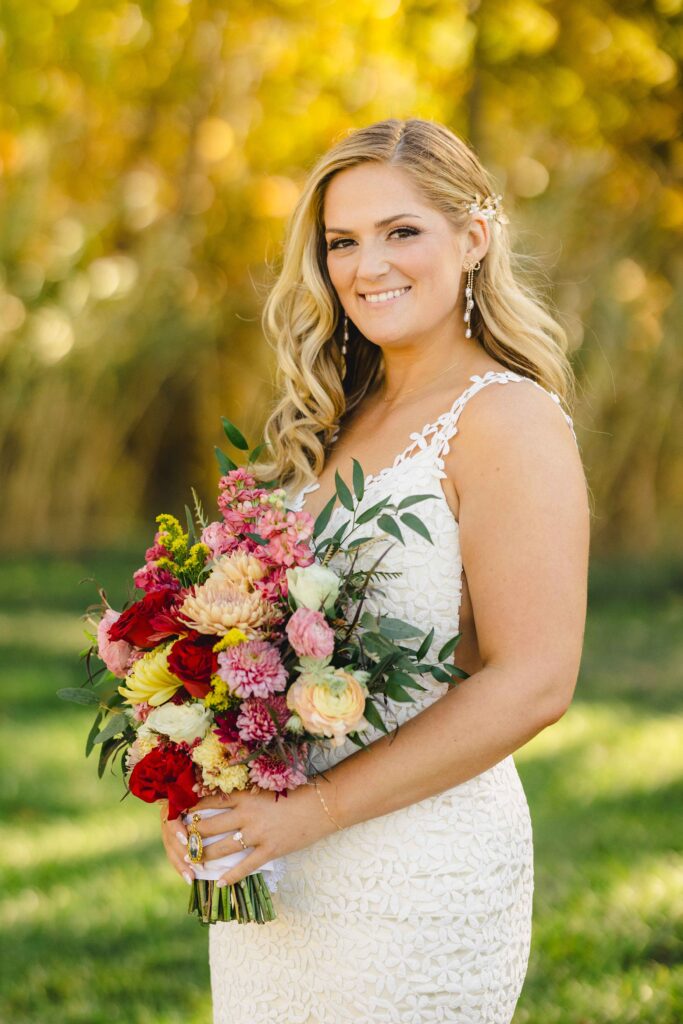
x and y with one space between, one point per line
378 224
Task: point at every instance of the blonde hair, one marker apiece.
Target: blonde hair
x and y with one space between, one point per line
303 317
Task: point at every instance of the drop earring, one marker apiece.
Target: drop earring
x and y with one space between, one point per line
345 346
469 301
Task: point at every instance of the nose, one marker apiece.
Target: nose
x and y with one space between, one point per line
372 263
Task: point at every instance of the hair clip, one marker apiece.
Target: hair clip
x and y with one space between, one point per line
491 208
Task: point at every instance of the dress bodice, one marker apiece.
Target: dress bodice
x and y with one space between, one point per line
427 588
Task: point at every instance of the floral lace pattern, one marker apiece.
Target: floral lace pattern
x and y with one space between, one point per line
422 915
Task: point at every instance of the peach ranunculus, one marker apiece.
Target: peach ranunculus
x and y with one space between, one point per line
330 703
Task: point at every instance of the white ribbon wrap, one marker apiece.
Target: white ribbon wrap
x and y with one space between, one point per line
273 870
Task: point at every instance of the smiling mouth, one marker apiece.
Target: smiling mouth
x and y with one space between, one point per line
385 298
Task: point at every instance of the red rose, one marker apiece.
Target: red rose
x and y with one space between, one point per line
192 659
139 624
165 773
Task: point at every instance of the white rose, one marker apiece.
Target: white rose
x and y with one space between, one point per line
314 586
182 723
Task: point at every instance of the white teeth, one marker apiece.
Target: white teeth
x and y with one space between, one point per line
385 296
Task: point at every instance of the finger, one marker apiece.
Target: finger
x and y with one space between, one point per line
217 823
223 847
248 866
223 800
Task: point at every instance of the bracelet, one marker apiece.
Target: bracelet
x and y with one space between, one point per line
322 800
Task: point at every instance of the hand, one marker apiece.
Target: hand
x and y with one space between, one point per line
174 838
272 828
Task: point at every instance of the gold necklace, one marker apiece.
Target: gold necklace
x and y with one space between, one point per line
410 390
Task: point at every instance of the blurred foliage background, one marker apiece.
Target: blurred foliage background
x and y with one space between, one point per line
150 153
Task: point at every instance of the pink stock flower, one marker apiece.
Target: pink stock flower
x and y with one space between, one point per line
117 655
219 539
287 533
272 773
150 578
254 722
252 669
309 634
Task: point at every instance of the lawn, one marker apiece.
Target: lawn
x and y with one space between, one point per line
93 918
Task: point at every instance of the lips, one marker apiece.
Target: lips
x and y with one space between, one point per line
384 302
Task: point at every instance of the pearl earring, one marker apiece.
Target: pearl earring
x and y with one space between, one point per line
469 301
345 346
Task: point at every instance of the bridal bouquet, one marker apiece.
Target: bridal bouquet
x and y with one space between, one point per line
243 651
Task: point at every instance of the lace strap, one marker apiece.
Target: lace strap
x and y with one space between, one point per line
447 425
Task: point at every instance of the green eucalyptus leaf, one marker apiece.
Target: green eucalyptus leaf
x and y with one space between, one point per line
324 516
191 532
225 463
234 435
413 500
256 452
95 728
412 521
373 716
78 695
357 542
116 724
344 493
445 676
390 525
425 645
257 538
397 629
449 647
396 692
371 512
404 679
358 480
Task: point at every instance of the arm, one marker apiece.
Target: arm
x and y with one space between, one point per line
524 534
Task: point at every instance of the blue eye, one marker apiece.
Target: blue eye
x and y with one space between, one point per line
410 231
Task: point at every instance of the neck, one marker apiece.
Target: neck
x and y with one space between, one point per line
413 368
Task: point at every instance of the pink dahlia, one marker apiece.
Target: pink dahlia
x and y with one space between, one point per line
254 721
252 669
309 634
272 773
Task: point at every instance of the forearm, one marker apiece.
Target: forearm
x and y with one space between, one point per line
471 728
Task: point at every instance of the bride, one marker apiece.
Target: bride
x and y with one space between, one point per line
407 896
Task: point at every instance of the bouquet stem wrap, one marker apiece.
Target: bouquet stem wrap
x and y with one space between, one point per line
246 901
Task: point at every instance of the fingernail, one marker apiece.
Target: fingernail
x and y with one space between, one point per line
182 837
187 877
221 883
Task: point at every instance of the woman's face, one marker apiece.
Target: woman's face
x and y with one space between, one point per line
381 237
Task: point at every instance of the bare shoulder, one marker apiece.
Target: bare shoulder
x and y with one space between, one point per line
517 422
524 526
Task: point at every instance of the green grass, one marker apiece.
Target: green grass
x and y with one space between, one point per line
93 917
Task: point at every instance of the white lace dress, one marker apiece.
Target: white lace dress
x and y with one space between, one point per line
422 915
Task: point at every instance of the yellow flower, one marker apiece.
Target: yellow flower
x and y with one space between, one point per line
217 772
230 639
150 679
220 696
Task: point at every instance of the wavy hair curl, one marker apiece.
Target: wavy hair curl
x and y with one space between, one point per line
303 317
